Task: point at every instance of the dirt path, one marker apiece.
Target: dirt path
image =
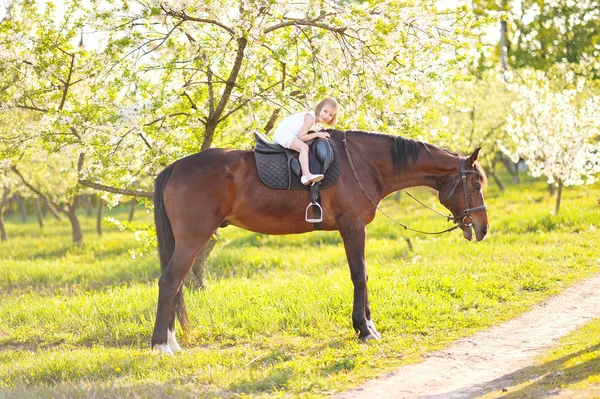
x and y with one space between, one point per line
475 364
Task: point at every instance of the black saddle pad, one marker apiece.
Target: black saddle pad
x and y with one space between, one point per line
273 170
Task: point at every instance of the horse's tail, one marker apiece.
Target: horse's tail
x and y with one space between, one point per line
166 241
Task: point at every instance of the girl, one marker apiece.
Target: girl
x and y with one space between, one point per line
292 133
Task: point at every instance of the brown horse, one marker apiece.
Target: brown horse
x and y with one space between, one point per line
197 194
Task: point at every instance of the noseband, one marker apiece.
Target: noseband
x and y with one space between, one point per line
465 217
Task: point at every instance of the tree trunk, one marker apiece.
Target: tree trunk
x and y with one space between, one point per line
492 172
52 210
196 278
3 235
38 212
397 196
44 207
9 207
497 181
99 218
132 210
558 195
552 189
512 167
88 204
21 207
76 227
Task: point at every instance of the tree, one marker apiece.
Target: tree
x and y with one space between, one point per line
480 120
542 33
158 81
554 126
52 177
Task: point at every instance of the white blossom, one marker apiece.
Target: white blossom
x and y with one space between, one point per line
554 131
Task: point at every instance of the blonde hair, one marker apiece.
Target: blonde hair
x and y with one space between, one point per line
328 101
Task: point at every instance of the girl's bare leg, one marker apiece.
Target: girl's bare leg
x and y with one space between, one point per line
302 148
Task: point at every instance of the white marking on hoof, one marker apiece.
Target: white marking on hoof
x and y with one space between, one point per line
172 341
371 326
162 348
372 337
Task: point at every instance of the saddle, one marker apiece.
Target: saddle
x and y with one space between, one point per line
279 168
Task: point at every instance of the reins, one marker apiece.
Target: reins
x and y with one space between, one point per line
347 149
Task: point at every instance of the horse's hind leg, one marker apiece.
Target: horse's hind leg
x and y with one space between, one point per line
163 337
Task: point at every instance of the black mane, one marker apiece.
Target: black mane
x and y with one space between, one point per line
403 149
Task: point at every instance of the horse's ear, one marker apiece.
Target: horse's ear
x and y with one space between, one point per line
471 160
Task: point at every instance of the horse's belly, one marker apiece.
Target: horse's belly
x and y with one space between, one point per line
271 211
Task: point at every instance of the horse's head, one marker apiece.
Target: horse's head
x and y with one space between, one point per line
462 194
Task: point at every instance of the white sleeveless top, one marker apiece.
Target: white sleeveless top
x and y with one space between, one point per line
292 124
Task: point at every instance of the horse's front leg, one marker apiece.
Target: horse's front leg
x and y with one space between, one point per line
370 323
354 237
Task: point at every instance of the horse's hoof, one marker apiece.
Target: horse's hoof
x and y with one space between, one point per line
372 329
162 348
372 337
172 342
174 346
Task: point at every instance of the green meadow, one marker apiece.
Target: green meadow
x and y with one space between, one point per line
275 319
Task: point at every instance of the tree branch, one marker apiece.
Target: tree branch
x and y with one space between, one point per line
114 190
272 120
240 106
101 187
193 105
32 108
68 82
211 94
35 190
213 120
305 22
184 17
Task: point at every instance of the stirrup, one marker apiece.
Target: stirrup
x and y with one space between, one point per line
313 220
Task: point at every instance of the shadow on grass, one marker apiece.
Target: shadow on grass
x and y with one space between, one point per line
276 379
284 241
166 391
544 378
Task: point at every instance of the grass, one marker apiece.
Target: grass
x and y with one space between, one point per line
275 318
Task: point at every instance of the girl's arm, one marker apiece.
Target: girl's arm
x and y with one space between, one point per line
304 135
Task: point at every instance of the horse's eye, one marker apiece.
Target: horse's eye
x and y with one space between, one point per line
477 186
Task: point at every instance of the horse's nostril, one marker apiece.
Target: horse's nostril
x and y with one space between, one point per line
485 230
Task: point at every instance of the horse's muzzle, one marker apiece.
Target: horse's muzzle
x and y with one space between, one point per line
480 232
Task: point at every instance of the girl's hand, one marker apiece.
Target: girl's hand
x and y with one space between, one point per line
323 135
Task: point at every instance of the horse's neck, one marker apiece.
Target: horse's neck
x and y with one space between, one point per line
430 169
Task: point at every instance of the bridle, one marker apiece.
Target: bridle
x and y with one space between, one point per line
464 218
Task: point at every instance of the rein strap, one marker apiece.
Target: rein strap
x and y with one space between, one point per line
347 149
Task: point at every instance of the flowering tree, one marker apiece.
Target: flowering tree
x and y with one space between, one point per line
555 127
479 119
124 89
